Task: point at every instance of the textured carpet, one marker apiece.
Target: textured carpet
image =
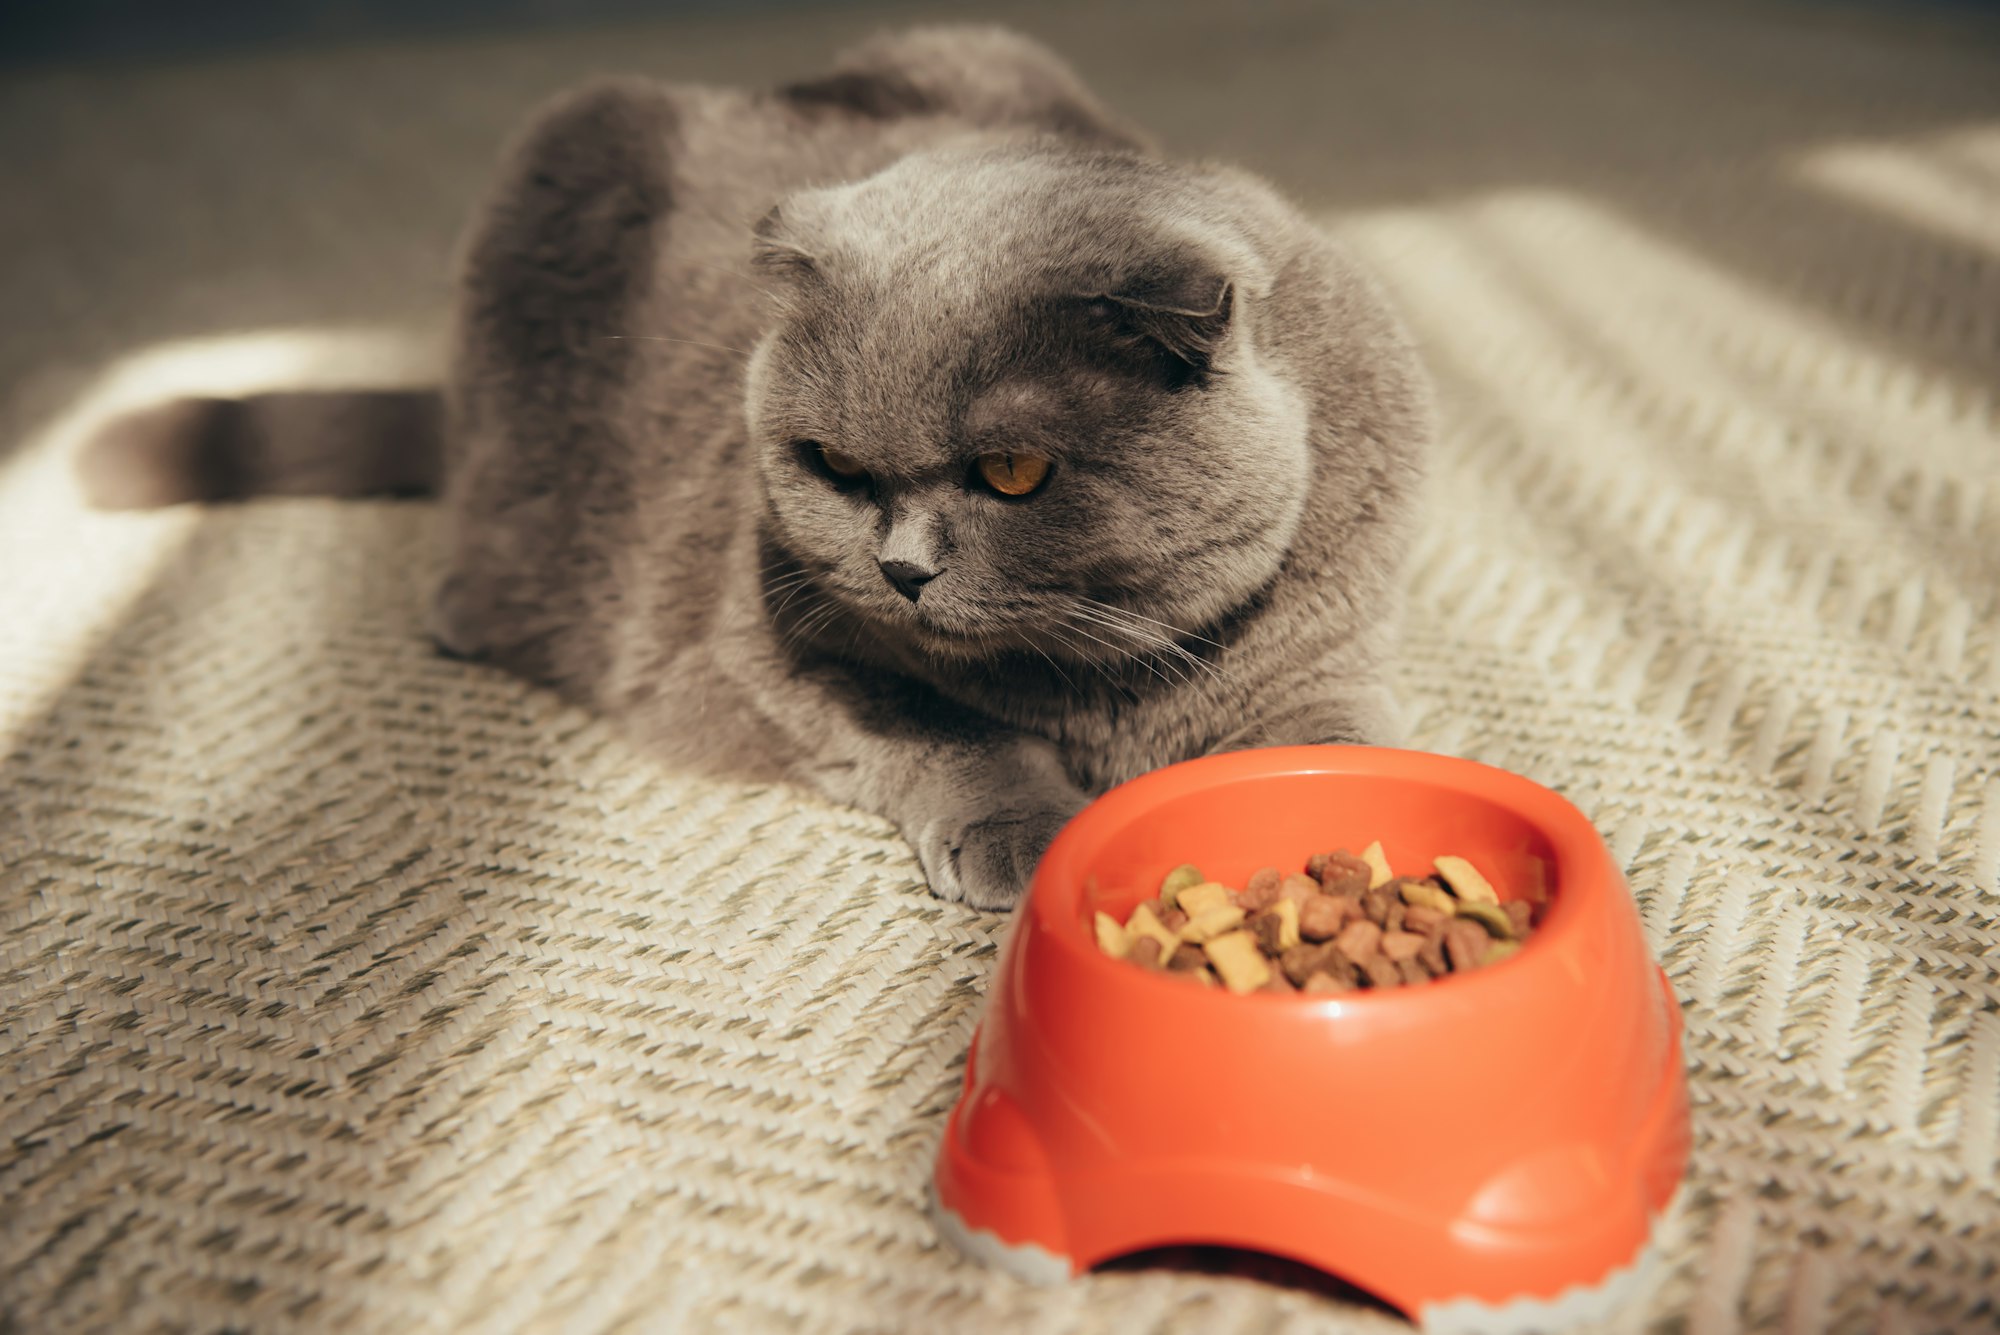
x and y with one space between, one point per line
347 989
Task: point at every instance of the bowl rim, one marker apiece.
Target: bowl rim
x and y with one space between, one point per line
1573 839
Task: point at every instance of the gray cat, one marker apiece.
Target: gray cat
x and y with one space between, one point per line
914 434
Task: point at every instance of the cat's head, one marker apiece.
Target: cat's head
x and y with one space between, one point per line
1016 399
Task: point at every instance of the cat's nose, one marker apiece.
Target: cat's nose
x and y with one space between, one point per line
908 577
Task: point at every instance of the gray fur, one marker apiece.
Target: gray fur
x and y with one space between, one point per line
945 246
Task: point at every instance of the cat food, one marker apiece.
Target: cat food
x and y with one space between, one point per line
1347 922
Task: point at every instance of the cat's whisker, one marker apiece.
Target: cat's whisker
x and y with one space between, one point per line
662 338
1155 621
1142 660
1115 617
1148 639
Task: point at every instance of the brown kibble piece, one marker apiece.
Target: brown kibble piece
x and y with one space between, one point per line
1173 920
1145 951
1432 955
1326 982
1423 918
1315 865
1413 972
1261 891
1270 930
1400 946
1187 958
1344 874
1381 972
1298 889
1143 923
1520 913
1278 983
1321 917
1375 905
1359 941
1465 944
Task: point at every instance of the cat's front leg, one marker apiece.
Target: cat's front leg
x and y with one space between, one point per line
978 802
980 833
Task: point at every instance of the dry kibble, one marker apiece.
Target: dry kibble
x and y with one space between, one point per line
1465 881
1199 899
1490 916
1378 865
1112 938
1400 946
1321 917
1465 943
1349 923
1381 972
1428 895
1297 888
1344 874
1261 890
1143 923
1177 880
1235 956
1423 918
1359 940
1211 924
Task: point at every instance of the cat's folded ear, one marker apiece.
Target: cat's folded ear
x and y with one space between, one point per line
775 250
1184 304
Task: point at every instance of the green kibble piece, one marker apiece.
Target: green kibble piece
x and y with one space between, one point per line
1490 916
1498 951
1184 877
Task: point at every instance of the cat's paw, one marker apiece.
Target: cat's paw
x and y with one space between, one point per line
986 863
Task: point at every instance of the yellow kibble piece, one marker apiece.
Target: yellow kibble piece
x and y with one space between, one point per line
1179 879
1209 925
1428 895
1379 874
1144 923
1199 899
1235 956
1288 923
1465 881
1112 938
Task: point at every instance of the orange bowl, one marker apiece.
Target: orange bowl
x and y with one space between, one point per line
1485 1151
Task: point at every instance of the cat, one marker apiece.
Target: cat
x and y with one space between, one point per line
917 434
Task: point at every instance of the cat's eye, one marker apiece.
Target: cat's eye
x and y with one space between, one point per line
843 466
1013 474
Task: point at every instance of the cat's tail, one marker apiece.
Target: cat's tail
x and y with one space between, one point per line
306 443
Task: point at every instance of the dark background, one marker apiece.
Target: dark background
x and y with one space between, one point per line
42 32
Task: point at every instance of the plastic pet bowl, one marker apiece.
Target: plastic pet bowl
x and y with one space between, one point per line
1488 1151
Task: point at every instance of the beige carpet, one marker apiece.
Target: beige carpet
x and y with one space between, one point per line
345 989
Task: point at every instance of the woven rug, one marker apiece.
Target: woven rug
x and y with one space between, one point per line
343 988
